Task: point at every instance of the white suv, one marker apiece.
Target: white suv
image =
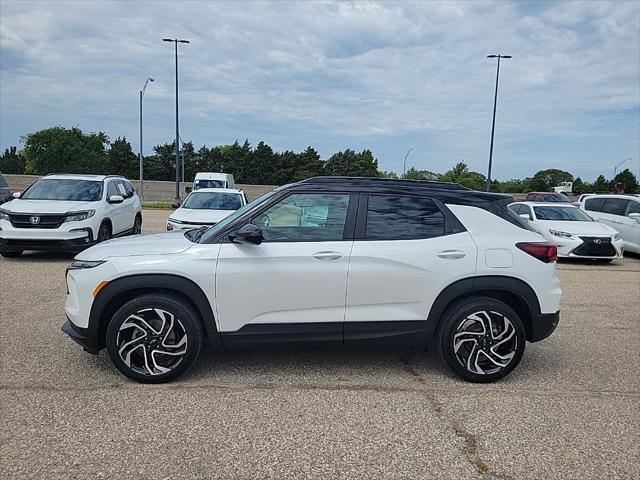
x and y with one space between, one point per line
329 260
621 212
69 213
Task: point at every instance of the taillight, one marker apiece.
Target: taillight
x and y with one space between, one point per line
544 251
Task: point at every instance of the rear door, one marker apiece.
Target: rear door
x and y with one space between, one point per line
292 286
403 256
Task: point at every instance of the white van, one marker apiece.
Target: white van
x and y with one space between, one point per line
213 180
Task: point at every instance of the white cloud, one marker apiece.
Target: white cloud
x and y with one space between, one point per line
368 73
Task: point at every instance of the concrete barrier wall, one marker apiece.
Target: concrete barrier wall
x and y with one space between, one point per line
157 191
154 190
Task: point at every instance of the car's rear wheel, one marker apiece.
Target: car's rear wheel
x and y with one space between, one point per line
104 232
15 254
154 338
482 339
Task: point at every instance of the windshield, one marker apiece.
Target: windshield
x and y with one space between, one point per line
209 184
565 214
213 201
3 183
64 189
214 229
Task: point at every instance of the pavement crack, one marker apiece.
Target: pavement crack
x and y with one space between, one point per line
470 449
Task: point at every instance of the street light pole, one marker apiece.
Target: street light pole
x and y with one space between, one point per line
615 169
140 181
176 42
493 124
404 164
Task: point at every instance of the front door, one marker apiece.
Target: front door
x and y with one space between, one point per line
292 286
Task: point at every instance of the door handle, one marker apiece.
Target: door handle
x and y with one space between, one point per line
452 254
327 256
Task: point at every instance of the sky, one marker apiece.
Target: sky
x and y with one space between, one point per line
387 76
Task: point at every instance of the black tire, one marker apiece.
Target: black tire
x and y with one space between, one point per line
104 232
137 225
466 323
12 254
166 349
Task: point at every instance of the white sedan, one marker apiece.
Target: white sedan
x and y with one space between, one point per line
206 207
576 233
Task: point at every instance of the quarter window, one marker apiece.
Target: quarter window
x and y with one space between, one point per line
305 217
402 218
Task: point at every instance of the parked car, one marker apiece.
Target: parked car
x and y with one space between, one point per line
576 233
329 260
69 213
621 212
547 197
206 207
5 191
213 180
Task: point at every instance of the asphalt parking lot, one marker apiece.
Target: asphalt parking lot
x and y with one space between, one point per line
570 410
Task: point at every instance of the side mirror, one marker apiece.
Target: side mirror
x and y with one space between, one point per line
175 205
16 194
525 216
248 234
116 199
635 216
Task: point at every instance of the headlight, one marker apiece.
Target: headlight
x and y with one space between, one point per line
80 264
617 236
174 220
4 215
558 233
79 216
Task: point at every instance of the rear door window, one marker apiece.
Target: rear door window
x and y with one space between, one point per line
403 218
615 206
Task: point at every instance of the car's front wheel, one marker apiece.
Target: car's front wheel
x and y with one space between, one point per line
154 338
137 225
482 339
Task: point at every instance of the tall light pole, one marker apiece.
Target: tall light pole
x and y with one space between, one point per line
140 182
493 124
176 41
615 169
404 164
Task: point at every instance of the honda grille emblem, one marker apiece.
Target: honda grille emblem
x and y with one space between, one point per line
34 220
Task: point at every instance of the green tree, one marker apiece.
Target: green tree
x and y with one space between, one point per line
545 180
627 180
461 174
413 174
59 149
11 161
601 184
122 160
350 163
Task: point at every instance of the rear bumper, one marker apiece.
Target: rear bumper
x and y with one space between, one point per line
81 336
543 325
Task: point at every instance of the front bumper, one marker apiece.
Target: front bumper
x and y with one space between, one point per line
70 241
543 325
82 336
585 249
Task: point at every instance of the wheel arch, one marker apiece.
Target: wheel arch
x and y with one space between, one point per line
510 290
117 292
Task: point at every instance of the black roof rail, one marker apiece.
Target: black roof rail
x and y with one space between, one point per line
391 182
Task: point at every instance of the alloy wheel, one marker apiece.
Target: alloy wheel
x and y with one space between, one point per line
152 341
485 342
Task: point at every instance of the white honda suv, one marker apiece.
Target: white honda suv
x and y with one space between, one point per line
329 260
68 213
